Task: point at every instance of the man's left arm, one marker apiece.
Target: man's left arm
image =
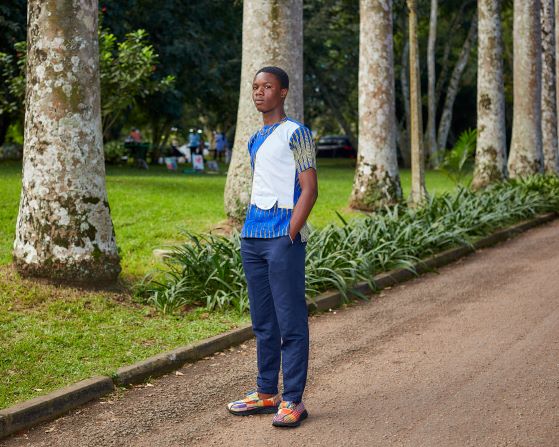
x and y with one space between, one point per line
304 152
309 193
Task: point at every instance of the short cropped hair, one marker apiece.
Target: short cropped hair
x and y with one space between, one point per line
278 73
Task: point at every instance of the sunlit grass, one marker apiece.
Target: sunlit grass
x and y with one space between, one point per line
149 208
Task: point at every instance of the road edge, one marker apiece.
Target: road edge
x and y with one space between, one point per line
29 413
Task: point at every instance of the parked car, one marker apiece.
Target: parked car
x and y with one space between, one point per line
335 146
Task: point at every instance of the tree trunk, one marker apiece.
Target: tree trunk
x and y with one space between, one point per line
430 132
272 35
64 228
557 56
526 143
549 94
491 130
418 191
377 181
443 74
405 146
454 84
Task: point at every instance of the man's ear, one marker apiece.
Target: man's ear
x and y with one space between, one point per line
283 92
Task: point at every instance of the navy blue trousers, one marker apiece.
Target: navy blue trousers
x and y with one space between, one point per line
275 273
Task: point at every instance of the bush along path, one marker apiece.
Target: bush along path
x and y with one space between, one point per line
207 269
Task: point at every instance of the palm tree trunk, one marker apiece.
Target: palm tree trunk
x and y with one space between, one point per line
549 94
64 229
418 191
272 35
405 145
377 181
454 84
444 63
430 132
491 132
557 55
526 144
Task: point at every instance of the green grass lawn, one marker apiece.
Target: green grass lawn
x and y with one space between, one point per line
51 336
150 207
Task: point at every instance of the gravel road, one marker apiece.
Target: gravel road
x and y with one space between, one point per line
468 356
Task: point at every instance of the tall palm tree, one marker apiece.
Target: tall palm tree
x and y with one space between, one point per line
431 131
491 132
272 35
64 228
377 181
418 191
454 85
525 155
549 94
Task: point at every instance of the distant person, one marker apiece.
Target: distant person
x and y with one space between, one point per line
136 135
273 245
201 143
220 145
193 140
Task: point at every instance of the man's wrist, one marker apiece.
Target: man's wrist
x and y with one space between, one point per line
290 232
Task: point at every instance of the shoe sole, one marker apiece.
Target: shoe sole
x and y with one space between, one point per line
304 416
257 410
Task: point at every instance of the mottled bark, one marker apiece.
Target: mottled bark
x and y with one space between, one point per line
377 181
272 35
525 156
418 192
454 84
64 229
491 132
430 132
549 93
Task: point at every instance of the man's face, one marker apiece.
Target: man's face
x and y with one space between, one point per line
267 93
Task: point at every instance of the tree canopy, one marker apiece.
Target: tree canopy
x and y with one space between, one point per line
199 44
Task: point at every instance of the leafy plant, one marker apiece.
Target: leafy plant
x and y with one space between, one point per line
127 73
458 162
114 151
207 269
12 80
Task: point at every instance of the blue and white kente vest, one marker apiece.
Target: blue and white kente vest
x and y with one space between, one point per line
278 153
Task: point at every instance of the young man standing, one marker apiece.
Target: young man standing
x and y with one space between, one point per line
273 242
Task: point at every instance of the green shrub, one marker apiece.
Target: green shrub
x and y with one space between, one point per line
114 151
207 270
458 163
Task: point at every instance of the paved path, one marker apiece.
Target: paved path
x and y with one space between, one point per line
466 357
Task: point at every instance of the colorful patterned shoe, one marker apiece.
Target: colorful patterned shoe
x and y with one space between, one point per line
252 404
290 414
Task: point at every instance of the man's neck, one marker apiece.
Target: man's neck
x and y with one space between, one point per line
273 116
